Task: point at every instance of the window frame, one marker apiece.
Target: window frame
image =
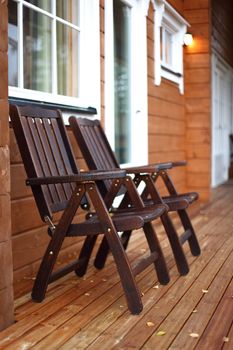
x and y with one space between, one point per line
89 66
168 19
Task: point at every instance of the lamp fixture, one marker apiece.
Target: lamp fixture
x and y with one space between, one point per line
188 39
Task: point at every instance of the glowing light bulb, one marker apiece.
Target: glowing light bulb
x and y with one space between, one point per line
188 39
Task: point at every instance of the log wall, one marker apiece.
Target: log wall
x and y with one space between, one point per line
6 275
197 60
166 114
180 125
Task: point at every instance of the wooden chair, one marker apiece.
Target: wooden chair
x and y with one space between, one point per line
99 155
58 186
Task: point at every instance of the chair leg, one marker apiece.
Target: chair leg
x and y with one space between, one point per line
193 242
160 264
176 246
103 250
102 254
50 256
126 275
85 254
45 270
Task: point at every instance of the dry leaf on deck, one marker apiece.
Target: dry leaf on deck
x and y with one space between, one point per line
194 335
156 287
204 291
160 333
225 339
150 324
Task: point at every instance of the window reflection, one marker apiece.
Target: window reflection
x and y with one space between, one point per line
37 51
67 60
122 81
68 10
43 4
12 44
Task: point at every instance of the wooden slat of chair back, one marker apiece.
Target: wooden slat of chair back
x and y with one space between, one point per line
45 151
98 153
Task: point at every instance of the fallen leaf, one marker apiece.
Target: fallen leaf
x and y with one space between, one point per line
156 287
204 291
194 335
225 339
160 333
194 311
150 324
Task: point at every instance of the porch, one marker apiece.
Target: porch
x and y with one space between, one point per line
195 311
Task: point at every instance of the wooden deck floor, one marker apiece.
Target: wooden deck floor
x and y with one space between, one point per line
191 312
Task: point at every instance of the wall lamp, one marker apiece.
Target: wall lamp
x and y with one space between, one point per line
188 39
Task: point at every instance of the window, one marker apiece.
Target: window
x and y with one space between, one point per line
49 58
170 28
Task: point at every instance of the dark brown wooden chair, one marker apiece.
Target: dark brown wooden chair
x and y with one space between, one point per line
99 155
58 186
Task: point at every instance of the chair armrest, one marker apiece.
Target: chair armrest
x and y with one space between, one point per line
179 163
93 175
170 165
150 168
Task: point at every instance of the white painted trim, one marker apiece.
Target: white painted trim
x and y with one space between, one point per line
166 16
109 72
139 109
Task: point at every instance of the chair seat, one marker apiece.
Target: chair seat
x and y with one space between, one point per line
123 219
149 213
180 201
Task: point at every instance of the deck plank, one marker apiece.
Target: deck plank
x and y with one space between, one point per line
220 323
91 312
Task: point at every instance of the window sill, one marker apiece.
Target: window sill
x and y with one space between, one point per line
90 111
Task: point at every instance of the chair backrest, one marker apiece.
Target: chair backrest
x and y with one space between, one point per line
45 151
95 147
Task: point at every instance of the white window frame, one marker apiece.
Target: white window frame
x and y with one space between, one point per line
89 73
166 18
138 67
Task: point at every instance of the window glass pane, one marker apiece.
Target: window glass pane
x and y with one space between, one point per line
43 4
67 60
37 51
68 10
12 44
168 47
122 80
161 43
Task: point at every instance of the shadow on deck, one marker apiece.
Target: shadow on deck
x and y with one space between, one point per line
195 311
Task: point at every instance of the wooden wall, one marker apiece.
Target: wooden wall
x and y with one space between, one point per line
222 28
180 125
6 276
102 57
197 60
166 115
